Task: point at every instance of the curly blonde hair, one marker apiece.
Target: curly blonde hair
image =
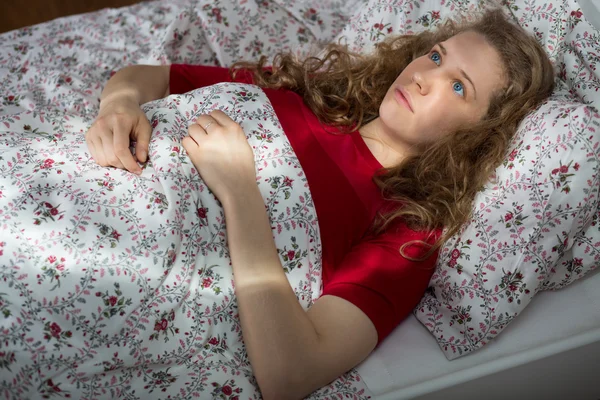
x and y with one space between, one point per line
435 186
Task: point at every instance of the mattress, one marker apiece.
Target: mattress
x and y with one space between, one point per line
555 325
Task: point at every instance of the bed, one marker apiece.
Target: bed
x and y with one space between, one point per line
51 76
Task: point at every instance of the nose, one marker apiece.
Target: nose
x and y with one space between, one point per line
419 79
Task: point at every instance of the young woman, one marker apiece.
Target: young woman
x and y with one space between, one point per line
394 145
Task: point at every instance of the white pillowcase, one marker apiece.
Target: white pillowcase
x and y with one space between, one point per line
536 225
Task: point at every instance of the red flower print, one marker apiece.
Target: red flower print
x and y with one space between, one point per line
512 155
555 171
51 259
214 341
112 300
176 149
202 212
161 326
291 254
564 169
452 263
11 98
53 211
98 294
55 330
115 235
508 217
287 181
513 288
227 391
577 14
576 167
206 282
154 123
435 15
455 253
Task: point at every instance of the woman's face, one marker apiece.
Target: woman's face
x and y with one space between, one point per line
439 92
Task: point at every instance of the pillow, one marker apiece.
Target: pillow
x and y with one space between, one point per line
536 224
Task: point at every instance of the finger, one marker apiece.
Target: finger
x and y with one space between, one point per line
100 158
91 148
189 144
207 122
222 118
122 152
197 133
142 139
109 152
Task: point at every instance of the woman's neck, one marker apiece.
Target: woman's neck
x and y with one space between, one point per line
381 150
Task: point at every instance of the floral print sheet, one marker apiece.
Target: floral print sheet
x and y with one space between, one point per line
120 286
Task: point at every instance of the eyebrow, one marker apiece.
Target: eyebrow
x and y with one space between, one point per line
462 71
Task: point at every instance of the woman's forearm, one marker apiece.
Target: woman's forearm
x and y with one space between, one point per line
277 332
139 83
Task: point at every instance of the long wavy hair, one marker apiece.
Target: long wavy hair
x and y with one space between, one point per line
435 186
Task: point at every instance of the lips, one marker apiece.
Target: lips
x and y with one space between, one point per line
403 98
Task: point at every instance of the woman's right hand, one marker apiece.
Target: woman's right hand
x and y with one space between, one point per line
119 121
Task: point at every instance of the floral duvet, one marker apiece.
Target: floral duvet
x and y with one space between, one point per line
114 285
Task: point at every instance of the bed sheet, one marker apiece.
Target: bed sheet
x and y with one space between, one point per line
409 364
117 286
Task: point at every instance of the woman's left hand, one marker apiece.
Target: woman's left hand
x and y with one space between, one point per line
220 152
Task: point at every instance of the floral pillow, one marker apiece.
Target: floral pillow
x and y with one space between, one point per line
536 224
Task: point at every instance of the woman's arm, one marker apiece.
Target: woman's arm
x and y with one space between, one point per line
140 83
292 352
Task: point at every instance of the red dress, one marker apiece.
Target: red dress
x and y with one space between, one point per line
367 271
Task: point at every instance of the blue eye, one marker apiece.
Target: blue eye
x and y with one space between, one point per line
459 88
435 57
